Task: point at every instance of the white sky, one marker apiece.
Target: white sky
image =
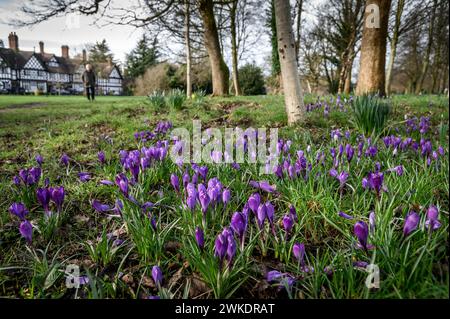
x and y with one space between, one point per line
72 31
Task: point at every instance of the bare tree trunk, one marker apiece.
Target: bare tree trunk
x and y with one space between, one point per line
293 95
188 48
219 69
299 23
348 79
393 44
234 49
371 78
426 62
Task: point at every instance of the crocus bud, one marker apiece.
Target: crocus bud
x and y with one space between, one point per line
299 252
254 201
175 182
101 157
200 237
411 223
288 223
226 195
19 210
39 159
157 275
362 232
26 230
238 224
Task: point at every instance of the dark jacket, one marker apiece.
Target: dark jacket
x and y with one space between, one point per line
88 78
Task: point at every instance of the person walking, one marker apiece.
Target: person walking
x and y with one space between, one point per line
89 79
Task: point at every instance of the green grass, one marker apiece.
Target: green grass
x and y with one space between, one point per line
416 267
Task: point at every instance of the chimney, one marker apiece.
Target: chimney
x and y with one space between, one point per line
84 55
41 47
13 41
65 51
109 60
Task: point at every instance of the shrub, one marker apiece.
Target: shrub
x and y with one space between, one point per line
160 77
251 80
157 99
175 99
370 114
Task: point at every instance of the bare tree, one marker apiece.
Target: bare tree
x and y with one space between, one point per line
293 95
371 77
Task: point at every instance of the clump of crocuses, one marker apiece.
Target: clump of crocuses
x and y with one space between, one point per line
25 227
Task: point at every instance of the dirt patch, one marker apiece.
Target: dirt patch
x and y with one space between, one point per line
23 106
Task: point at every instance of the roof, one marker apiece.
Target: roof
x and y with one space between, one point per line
18 59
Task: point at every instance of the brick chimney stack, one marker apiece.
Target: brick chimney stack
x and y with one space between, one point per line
65 51
84 55
13 41
41 47
110 61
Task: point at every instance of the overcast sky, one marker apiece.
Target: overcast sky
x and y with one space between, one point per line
72 30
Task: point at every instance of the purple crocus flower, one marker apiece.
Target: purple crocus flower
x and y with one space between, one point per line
399 170
239 224
191 201
26 230
101 208
360 264
376 181
411 223
39 159
19 209
349 151
432 222
361 231
342 178
101 157
288 223
344 215
270 212
186 179
203 197
220 246
372 221
254 201
157 276
57 195
43 196
333 172
122 183
84 176
16 180
65 159
175 182
34 175
226 195
299 252
231 248
283 279
264 186
106 182
261 215
293 213
200 237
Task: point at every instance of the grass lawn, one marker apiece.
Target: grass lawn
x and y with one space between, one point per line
414 266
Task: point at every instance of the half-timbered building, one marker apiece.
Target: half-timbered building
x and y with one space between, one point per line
29 71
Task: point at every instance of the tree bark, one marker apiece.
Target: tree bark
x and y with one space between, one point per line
188 48
219 69
394 42
234 49
293 95
299 23
426 62
371 78
348 79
